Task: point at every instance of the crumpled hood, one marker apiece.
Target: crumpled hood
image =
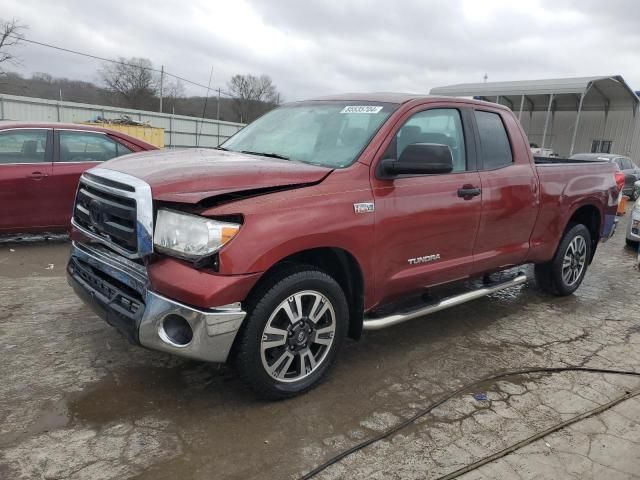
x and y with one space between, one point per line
192 175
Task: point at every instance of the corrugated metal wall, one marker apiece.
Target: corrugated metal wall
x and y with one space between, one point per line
179 131
621 128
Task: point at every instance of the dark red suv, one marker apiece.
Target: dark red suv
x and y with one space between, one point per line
40 164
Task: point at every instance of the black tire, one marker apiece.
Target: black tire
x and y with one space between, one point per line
264 303
549 275
631 243
634 195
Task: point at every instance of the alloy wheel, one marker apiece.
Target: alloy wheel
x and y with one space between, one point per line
298 336
574 261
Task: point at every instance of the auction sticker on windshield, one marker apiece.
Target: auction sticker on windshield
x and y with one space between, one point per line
361 109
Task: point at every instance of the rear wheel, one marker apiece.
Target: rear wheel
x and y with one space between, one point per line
565 272
631 243
292 333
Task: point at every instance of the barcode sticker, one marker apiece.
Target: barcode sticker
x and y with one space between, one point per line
361 109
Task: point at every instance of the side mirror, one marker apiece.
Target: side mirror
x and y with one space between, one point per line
420 159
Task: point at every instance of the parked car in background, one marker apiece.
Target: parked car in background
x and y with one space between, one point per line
311 223
633 227
40 164
628 167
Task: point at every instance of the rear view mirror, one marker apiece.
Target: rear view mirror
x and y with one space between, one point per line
420 159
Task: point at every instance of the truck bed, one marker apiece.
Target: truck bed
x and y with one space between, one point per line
561 160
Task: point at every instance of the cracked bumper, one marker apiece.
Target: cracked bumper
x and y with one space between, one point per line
117 291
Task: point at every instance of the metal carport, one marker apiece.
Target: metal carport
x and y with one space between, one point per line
603 93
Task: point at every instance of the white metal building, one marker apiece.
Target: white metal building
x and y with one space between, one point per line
567 115
179 130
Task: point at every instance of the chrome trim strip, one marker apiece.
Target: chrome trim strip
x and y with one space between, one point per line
60 162
394 319
25 128
144 209
26 163
58 129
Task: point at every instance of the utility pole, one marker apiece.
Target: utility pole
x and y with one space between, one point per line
204 109
218 117
161 82
218 113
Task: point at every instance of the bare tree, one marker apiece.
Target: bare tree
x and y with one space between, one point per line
252 96
131 79
10 36
175 89
172 92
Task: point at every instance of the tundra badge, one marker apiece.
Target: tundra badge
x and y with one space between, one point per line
425 259
364 207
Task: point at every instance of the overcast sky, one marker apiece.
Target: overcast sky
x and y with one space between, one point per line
312 48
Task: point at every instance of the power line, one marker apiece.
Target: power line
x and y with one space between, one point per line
111 60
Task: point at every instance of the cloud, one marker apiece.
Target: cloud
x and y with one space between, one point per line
314 48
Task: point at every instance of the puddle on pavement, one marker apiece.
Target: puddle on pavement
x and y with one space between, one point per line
132 392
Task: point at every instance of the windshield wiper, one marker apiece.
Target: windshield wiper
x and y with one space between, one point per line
264 154
221 148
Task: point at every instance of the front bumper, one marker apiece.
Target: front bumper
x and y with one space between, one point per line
117 291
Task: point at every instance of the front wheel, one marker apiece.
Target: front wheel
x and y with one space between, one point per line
566 270
295 325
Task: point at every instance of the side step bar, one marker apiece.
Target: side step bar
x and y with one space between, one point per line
394 319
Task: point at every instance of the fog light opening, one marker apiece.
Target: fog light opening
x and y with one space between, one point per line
177 330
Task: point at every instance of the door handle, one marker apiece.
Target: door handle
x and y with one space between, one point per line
37 175
468 192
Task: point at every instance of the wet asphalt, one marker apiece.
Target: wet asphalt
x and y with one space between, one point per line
77 401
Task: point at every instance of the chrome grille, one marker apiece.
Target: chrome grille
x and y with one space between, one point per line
107 215
115 209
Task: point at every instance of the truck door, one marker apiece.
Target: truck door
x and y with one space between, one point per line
509 193
25 179
426 224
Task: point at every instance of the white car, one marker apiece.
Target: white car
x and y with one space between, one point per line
633 227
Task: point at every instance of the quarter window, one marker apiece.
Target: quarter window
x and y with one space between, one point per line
626 164
23 146
86 147
494 142
441 126
122 150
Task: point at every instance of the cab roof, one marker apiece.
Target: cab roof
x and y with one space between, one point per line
400 98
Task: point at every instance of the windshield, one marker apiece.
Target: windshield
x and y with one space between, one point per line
330 134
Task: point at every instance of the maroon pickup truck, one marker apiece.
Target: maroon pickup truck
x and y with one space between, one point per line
325 218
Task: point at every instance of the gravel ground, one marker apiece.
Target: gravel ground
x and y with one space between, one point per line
78 402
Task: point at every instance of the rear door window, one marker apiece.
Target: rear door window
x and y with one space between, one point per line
23 146
85 147
494 141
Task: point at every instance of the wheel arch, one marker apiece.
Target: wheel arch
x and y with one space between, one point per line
339 264
590 216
